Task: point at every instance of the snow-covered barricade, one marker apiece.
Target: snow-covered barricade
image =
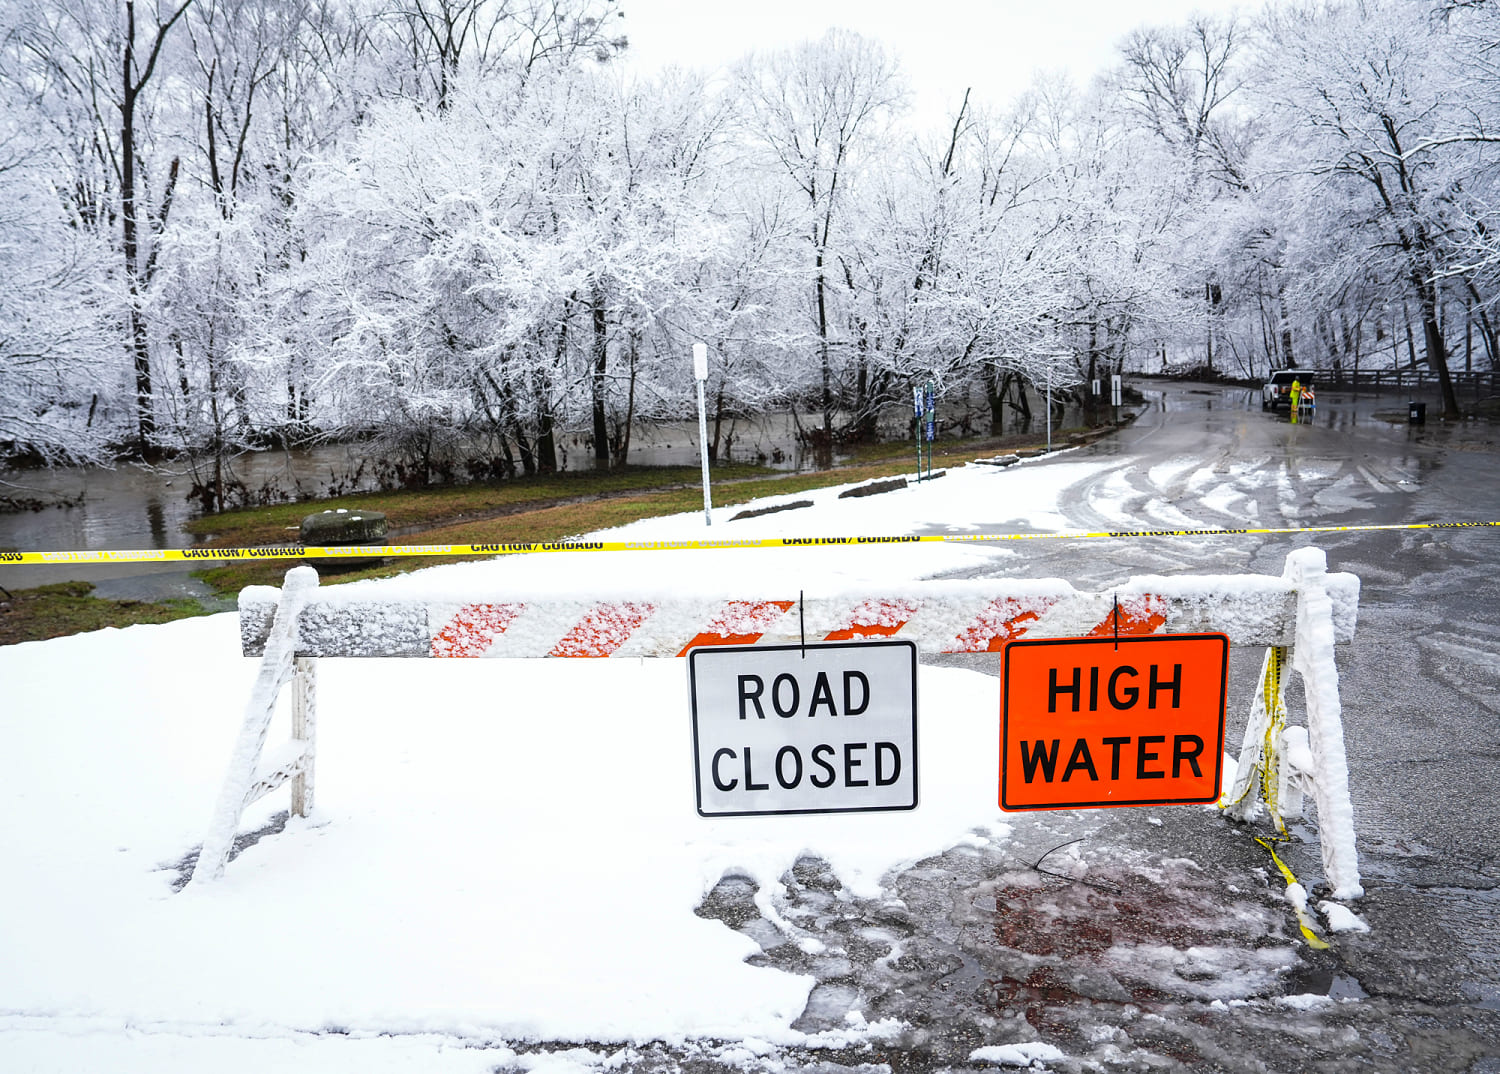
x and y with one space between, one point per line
940 616
1306 610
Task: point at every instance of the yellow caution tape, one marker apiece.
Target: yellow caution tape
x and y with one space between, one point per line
1276 716
1271 700
1303 921
150 555
1270 787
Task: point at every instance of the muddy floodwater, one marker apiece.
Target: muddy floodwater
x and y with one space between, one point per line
132 506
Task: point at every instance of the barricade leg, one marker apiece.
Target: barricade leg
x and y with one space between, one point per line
304 730
1257 764
1294 776
1312 656
1274 754
245 781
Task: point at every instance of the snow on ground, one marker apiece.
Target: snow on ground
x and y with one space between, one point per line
1109 497
1169 516
502 850
1231 500
1017 1055
972 499
1342 919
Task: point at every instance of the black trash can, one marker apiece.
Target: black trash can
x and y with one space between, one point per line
1416 413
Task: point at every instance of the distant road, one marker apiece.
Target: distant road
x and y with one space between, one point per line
1420 683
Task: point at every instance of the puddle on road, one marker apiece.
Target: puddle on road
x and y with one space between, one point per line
1131 960
1123 937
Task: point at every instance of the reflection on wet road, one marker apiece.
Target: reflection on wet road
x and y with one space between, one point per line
1159 939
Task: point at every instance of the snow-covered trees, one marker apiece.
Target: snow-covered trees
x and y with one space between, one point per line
60 302
99 65
817 112
1361 94
1380 158
517 260
461 229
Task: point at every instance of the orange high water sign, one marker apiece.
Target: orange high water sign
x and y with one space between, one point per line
1112 722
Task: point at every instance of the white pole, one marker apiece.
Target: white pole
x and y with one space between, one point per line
700 373
1049 406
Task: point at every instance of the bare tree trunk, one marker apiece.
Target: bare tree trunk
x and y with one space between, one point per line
1286 326
1022 404
826 448
546 441
713 443
1411 339
1486 330
133 83
1267 337
600 357
1468 335
523 447
621 443
130 241
1346 334
1211 296
996 399
1432 338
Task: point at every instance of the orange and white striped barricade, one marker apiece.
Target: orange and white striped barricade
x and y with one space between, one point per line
1306 610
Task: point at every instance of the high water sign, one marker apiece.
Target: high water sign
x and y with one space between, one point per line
1088 722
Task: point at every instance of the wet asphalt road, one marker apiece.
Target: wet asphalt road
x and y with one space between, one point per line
1158 939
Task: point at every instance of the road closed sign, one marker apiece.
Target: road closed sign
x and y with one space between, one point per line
823 728
1089 722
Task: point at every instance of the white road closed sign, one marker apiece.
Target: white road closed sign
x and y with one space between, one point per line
823 728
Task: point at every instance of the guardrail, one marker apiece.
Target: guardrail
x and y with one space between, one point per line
1478 384
1306 610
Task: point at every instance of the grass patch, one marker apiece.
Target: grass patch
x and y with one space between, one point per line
53 611
542 519
426 508
545 508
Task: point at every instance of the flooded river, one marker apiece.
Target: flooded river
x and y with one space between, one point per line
134 506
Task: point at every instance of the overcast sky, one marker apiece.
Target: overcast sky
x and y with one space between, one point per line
944 45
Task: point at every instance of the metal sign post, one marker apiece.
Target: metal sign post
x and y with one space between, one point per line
929 407
1049 407
700 374
916 407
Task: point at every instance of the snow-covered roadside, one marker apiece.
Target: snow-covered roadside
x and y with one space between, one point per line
969 499
502 849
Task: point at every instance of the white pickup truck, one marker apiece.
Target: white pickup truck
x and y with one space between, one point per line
1278 390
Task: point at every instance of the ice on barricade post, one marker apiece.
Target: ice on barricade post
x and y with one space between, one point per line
1277 763
247 778
1312 656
